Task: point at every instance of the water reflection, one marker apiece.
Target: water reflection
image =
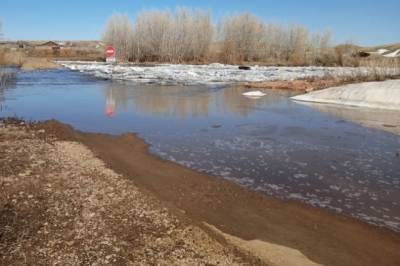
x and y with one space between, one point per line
183 101
110 103
176 101
2 97
236 103
388 120
3 90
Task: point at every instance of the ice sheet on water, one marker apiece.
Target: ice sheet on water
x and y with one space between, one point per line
200 74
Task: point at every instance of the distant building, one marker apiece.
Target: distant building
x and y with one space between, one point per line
23 45
50 45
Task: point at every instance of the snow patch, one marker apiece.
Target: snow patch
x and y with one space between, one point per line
254 94
393 54
382 51
383 95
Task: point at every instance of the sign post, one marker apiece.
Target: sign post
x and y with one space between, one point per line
110 54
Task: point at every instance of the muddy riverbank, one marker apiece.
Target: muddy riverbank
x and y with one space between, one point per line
61 205
248 220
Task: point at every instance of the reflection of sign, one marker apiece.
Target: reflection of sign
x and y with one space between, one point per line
110 54
110 111
110 104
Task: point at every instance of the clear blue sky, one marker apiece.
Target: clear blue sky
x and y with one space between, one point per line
365 22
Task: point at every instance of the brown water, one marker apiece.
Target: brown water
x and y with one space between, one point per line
272 145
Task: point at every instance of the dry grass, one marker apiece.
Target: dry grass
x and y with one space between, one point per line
20 59
382 68
11 58
30 58
68 53
374 69
371 70
31 63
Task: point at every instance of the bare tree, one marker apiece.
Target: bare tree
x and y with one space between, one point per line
298 43
174 37
150 33
242 37
118 32
192 34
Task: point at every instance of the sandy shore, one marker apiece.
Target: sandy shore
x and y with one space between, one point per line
64 190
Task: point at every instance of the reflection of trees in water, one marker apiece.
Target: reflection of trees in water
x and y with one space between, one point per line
2 98
3 90
174 101
184 101
8 77
235 102
177 101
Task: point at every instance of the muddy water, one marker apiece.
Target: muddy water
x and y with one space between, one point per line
320 156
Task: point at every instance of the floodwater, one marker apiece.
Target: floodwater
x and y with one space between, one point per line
272 144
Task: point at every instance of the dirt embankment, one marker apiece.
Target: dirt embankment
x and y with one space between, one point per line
300 85
313 84
59 203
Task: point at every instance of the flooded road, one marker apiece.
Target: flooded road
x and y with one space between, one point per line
272 144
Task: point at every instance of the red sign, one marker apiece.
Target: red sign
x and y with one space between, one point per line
110 51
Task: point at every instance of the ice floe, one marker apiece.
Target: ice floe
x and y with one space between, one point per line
254 94
202 74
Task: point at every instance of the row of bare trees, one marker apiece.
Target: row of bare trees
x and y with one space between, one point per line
191 36
182 36
246 38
